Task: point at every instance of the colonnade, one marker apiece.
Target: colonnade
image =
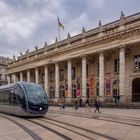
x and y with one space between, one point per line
84 76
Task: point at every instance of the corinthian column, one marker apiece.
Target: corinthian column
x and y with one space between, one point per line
8 79
122 73
36 76
101 74
21 76
56 80
69 78
46 79
84 76
28 76
14 78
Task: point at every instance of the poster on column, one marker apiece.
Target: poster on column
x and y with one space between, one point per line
92 87
108 86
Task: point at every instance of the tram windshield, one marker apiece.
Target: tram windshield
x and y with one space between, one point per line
35 94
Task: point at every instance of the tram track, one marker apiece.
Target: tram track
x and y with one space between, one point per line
66 130
109 118
27 130
19 122
78 131
72 127
50 129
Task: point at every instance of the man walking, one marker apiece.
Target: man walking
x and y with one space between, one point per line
97 105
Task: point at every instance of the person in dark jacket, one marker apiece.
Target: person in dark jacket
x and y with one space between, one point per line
76 103
81 102
97 105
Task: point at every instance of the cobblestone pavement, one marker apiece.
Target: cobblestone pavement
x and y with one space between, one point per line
115 124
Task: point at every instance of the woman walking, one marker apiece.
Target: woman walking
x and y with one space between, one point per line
87 104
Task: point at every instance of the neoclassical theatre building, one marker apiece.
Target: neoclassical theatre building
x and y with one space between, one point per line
103 62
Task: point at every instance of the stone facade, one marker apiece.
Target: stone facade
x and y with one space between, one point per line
104 62
3 70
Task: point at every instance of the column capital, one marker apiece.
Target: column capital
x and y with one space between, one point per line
121 46
101 51
69 59
46 65
56 62
84 55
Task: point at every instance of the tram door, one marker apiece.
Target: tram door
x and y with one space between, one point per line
136 90
12 101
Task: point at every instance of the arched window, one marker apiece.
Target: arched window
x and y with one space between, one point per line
88 90
115 87
61 91
52 92
73 91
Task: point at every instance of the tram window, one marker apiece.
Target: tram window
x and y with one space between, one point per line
4 97
20 96
13 100
1 97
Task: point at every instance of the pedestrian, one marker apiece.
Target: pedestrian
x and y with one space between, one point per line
60 103
63 102
118 98
97 105
76 103
80 102
87 104
115 96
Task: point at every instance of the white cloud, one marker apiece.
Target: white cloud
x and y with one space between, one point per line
97 3
27 23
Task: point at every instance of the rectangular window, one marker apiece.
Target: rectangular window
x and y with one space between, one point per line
116 65
73 73
137 62
51 76
61 73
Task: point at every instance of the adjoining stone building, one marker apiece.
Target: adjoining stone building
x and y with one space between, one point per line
104 61
3 70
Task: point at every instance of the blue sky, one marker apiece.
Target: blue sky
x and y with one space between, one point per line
25 24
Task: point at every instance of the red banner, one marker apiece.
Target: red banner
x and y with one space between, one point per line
92 87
